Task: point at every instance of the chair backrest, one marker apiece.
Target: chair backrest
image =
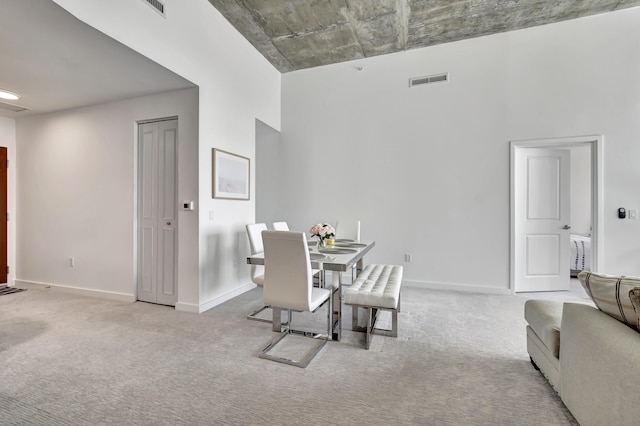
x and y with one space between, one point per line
349 229
280 226
288 279
254 232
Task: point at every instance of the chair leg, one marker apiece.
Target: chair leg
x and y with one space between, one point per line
321 341
252 316
330 316
276 320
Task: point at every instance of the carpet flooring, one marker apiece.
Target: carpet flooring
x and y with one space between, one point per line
460 359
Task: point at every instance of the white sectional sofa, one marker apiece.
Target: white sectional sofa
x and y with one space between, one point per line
589 357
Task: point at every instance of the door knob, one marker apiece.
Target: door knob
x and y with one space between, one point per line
566 227
169 224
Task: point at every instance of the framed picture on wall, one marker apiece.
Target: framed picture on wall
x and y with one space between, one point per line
230 176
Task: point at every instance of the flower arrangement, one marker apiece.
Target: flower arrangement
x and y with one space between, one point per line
323 231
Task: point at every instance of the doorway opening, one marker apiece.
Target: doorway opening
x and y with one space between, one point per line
589 149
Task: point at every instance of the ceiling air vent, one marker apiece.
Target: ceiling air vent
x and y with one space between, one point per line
157 5
436 78
12 108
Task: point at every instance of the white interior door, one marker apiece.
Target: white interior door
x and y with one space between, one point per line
542 219
157 212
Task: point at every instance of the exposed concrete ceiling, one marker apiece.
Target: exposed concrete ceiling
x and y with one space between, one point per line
298 34
56 62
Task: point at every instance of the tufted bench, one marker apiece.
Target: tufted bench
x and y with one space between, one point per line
377 287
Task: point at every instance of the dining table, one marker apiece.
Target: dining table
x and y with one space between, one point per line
340 257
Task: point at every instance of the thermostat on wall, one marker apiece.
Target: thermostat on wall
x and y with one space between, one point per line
187 205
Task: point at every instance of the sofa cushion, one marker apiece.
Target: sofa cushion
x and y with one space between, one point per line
544 316
611 295
599 367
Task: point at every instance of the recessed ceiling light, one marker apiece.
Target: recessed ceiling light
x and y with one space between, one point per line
5 94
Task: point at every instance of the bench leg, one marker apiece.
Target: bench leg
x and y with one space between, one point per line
394 321
370 323
372 318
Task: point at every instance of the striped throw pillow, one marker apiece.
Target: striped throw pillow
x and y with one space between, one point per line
634 295
611 295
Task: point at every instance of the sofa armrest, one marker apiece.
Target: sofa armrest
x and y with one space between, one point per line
599 367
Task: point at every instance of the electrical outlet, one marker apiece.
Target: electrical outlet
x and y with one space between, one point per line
407 258
72 261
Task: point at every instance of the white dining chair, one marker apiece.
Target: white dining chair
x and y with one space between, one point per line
288 285
317 274
280 226
254 232
348 230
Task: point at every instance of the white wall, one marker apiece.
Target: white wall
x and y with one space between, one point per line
237 85
426 169
8 140
77 173
268 178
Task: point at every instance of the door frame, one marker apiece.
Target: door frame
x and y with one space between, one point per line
4 216
595 143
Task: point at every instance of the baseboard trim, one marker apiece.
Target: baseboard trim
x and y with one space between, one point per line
187 307
130 298
469 288
212 303
120 297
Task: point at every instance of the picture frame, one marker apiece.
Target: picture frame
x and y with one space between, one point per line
230 175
